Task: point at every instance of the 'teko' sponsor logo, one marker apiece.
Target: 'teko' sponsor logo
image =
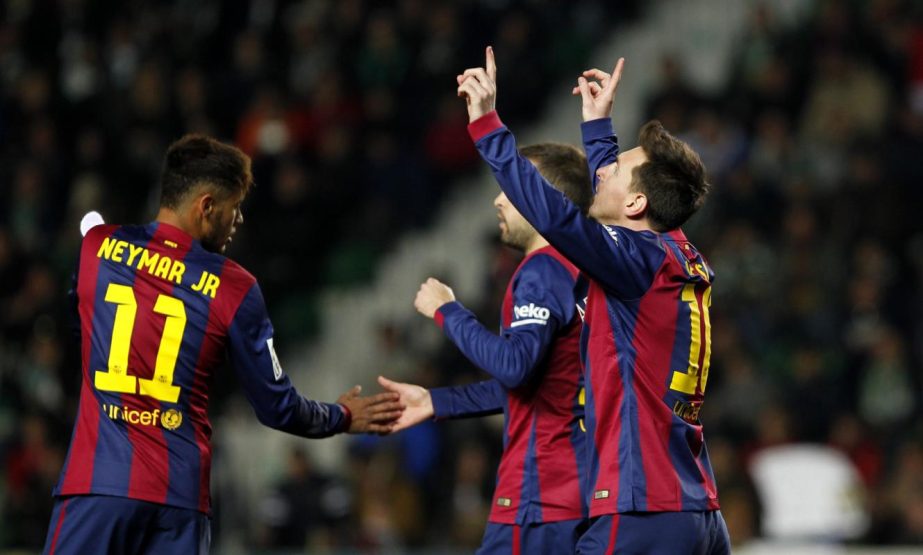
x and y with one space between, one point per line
530 314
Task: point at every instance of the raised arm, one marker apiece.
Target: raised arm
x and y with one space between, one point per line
597 89
611 255
276 401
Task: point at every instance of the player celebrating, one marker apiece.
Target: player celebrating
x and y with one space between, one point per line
538 502
645 343
158 307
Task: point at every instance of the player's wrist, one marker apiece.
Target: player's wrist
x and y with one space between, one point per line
426 405
347 418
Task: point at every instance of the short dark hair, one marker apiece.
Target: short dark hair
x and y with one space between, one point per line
565 167
196 160
673 178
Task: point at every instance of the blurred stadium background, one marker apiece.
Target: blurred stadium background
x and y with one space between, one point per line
809 116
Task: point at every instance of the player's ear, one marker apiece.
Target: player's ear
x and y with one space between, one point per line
635 204
204 205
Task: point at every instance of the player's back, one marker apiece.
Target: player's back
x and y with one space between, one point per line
154 309
646 367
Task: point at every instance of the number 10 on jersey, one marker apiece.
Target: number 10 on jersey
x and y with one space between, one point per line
116 378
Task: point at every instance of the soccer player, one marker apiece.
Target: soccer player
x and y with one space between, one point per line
159 306
538 505
645 342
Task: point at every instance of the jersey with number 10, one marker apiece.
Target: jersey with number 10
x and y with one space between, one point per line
645 342
157 314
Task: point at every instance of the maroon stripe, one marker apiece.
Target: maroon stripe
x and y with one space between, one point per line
653 342
235 284
613 534
78 477
516 540
57 530
605 380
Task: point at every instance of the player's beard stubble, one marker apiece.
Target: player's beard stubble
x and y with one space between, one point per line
516 236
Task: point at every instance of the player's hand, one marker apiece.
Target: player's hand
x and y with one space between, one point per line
374 414
597 90
417 401
478 86
432 294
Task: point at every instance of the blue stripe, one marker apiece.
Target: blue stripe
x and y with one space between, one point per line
623 315
529 511
580 443
591 452
183 452
112 444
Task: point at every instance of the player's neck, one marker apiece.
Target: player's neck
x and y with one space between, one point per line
174 218
536 243
628 223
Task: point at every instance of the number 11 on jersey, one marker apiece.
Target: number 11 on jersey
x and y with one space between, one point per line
116 378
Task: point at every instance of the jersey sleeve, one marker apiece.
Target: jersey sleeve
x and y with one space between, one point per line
270 391
543 303
466 401
614 256
600 144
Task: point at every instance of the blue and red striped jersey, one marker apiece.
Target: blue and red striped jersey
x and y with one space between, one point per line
158 313
537 383
645 342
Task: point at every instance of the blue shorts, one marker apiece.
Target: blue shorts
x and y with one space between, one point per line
548 538
89 524
679 533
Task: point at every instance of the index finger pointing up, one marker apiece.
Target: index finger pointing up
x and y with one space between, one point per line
616 74
491 64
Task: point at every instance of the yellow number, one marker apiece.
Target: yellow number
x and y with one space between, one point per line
160 386
687 381
581 400
117 378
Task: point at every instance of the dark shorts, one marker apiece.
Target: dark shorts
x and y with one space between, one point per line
680 533
90 524
549 538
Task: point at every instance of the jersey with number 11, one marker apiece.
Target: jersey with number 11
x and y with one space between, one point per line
157 314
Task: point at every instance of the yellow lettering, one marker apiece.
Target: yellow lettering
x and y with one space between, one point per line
163 267
145 418
133 252
201 284
148 260
155 417
105 250
133 416
118 250
176 272
211 286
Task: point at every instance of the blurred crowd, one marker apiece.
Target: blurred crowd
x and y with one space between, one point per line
815 153
815 235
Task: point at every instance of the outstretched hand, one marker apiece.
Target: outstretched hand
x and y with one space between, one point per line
417 401
597 90
478 86
374 414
